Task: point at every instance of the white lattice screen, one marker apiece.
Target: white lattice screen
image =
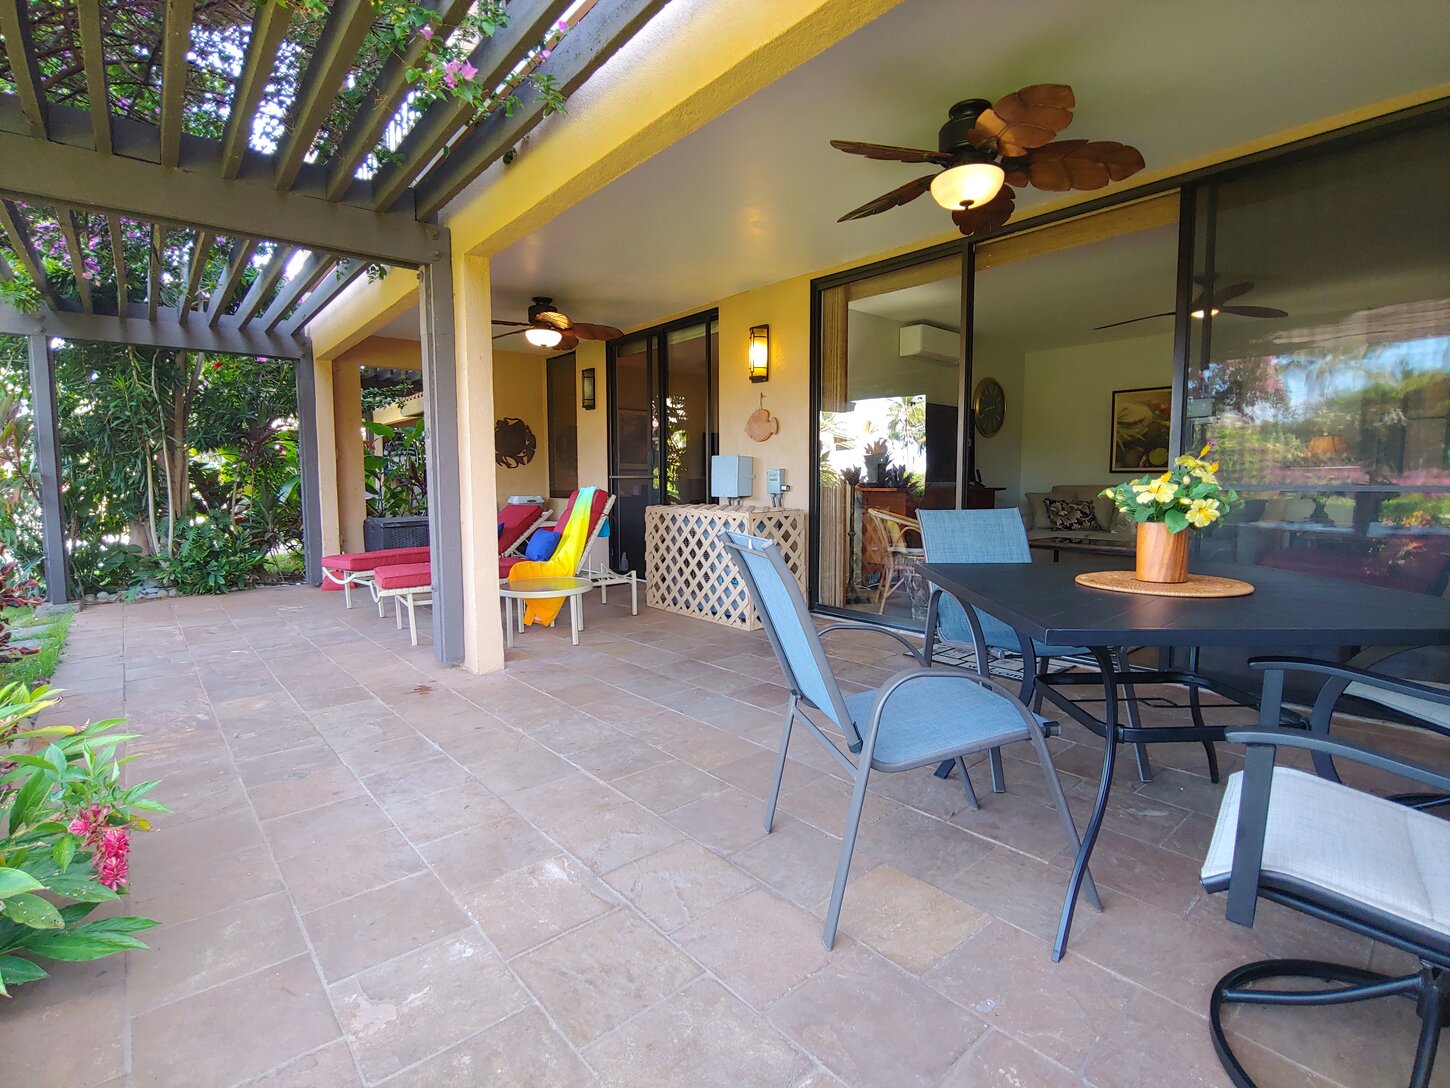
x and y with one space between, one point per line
690 573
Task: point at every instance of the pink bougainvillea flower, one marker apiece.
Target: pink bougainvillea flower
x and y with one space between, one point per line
426 33
450 73
468 71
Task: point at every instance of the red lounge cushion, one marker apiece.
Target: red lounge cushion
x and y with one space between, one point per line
387 557
404 575
506 564
515 518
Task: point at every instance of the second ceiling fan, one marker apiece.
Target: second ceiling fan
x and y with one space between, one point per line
1210 303
550 328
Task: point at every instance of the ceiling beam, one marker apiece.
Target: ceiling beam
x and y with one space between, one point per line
583 51
262 286
495 58
72 231
153 271
166 331
200 251
20 49
308 277
269 28
175 45
347 24
345 273
384 98
118 261
241 257
13 223
97 87
68 170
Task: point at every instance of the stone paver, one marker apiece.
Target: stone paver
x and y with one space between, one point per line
382 871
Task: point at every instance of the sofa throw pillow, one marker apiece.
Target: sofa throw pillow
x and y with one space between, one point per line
1072 515
1036 510
541 545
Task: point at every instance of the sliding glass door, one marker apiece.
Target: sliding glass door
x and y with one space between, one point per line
662 426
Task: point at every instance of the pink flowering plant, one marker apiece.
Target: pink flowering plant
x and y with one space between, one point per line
66 821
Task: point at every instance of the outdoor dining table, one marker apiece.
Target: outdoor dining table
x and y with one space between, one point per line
1287 611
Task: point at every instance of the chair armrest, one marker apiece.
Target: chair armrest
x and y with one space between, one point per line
873 629
1292 738
1353 675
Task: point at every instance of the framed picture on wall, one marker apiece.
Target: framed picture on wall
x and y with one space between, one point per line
1141 422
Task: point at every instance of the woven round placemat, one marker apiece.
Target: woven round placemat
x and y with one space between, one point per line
1198 585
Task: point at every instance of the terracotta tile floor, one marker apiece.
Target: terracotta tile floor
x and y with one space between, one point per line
382 871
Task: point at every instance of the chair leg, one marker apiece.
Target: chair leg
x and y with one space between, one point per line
1140 751
412 620
967 783
1043 665
848 846
1195 710
1064 814
999 777
347 591
779 770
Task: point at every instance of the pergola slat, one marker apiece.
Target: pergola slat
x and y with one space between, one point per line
20 48
97 93
118 259
200 251
176 43
262 286
347 24
574 60
308 277
494 58
68 227
153 271
241 256
385 98
15 229
269 27
134 327
315 303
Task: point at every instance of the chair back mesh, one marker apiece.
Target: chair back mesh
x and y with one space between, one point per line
782 609
973 536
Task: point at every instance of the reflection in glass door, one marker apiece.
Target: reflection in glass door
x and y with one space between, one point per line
662 426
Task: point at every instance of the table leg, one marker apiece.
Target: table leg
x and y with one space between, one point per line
574 618
508 622
1100 806
633 594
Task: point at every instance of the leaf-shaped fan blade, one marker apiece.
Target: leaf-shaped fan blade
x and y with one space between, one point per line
1229 293
552 319
1026 119
583 331
569 343
894 199
1081 164
1131 321
517 324
1253 311
988 216
887 151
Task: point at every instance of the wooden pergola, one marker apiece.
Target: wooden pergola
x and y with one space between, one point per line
218 144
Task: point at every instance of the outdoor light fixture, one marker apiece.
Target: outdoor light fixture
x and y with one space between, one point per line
967 185
760 353
544 338
586 388
1199 313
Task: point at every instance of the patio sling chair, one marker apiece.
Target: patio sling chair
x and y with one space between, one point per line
918 717
1373 865
998 536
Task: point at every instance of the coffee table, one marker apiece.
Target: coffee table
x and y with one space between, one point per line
527 589
1059 544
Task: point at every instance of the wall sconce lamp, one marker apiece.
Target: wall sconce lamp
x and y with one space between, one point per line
760 353
586 388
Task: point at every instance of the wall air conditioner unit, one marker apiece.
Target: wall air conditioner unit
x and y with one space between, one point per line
929 344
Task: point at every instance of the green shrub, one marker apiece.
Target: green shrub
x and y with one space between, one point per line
212 556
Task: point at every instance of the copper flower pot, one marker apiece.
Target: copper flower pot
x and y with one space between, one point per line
1162 556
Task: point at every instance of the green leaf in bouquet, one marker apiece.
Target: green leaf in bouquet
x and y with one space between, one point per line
14 971
80 888
33 911
64 852
15 882
1176 520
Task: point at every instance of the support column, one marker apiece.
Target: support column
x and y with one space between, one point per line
352 502
307 463
47 460
328 519
483 631
441 423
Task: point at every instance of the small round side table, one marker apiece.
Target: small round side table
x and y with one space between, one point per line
525 589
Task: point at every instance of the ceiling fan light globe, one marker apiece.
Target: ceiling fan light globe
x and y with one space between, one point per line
967 185
544 338
1198 313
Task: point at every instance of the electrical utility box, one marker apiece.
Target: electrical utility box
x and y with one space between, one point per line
731 476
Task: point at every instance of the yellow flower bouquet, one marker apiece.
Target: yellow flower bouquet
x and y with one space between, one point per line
1187 496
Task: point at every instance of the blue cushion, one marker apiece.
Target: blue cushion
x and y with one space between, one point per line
500 528
541 545
935 717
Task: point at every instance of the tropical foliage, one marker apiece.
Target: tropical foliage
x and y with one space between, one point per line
66 822
397 477
1187 496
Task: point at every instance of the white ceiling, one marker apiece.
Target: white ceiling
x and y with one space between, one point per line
752 197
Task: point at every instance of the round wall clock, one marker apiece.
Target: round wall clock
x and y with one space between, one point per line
989 406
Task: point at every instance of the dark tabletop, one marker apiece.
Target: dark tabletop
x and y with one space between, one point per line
1042 601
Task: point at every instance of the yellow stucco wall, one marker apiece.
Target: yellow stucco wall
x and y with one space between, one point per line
519 392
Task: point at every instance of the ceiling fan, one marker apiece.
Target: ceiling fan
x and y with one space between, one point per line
1211 303
985 144
547 327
